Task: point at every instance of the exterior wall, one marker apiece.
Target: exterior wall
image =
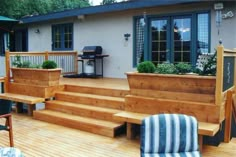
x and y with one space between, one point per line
2 66
39 41
227 31
107 30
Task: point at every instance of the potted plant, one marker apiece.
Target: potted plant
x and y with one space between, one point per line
165 77
26 73
35 80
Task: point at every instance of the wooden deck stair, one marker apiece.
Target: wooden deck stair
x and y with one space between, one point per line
82 110
85 109
91 99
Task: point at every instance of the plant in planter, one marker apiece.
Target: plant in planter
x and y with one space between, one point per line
25 64
183 68
26 73
209 67
166 68
166 79
48 64
146 67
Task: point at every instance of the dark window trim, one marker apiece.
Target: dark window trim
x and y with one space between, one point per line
193 14
61 26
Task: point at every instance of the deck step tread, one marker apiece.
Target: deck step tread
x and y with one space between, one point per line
97 90
80 119
94 96
83 106
21 98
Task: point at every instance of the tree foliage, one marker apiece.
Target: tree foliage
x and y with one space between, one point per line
108 2
19 8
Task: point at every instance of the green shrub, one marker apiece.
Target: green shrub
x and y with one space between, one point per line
48 64
183 68
35 66
146 67
26 64
166 68
17 61
209 68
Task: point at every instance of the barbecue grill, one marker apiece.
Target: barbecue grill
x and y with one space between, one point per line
91 52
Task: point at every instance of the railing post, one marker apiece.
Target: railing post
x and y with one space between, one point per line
76 62
228 116
8 77
46 55
219 75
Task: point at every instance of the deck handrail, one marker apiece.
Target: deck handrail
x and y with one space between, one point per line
225 85
67 60
220 92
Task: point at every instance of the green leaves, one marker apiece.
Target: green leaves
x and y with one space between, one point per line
48 64
146 67
166 68
108 2
18 9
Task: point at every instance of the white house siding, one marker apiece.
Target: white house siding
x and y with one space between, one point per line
227 30
2 66
108 31
39 41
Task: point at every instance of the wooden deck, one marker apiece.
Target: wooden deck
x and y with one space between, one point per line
36 138
101 82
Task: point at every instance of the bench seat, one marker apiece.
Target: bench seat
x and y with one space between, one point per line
29 100
204 128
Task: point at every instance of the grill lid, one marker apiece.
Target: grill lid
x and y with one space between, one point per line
92 50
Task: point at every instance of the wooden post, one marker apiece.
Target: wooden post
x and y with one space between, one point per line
76 62
46 55
31 108
228 116
219 75
200 142
8 77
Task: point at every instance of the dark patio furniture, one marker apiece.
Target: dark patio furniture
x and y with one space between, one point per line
5 112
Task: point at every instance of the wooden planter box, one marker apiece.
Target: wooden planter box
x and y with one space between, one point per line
168 93
41 77
172 83
35 82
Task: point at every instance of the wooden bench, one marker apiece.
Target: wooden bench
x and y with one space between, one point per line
30 101
132 118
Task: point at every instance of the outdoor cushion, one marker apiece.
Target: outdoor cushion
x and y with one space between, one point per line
169 133
184 154
10 152
3 127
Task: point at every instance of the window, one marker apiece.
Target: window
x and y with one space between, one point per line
203 33
62 37
173 38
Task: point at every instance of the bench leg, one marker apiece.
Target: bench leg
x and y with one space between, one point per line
200 142
131 131
31 107
19 107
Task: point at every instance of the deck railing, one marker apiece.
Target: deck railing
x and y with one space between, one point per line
66 60
225 85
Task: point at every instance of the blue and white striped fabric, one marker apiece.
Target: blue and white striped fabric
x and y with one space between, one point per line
169 135
10 152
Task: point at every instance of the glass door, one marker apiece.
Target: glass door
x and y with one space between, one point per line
181 35
159 40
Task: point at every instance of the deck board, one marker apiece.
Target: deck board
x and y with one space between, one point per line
37 138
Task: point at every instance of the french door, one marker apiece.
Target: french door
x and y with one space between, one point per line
170 39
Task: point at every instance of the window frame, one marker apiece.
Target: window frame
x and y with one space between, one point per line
62 38
194 34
